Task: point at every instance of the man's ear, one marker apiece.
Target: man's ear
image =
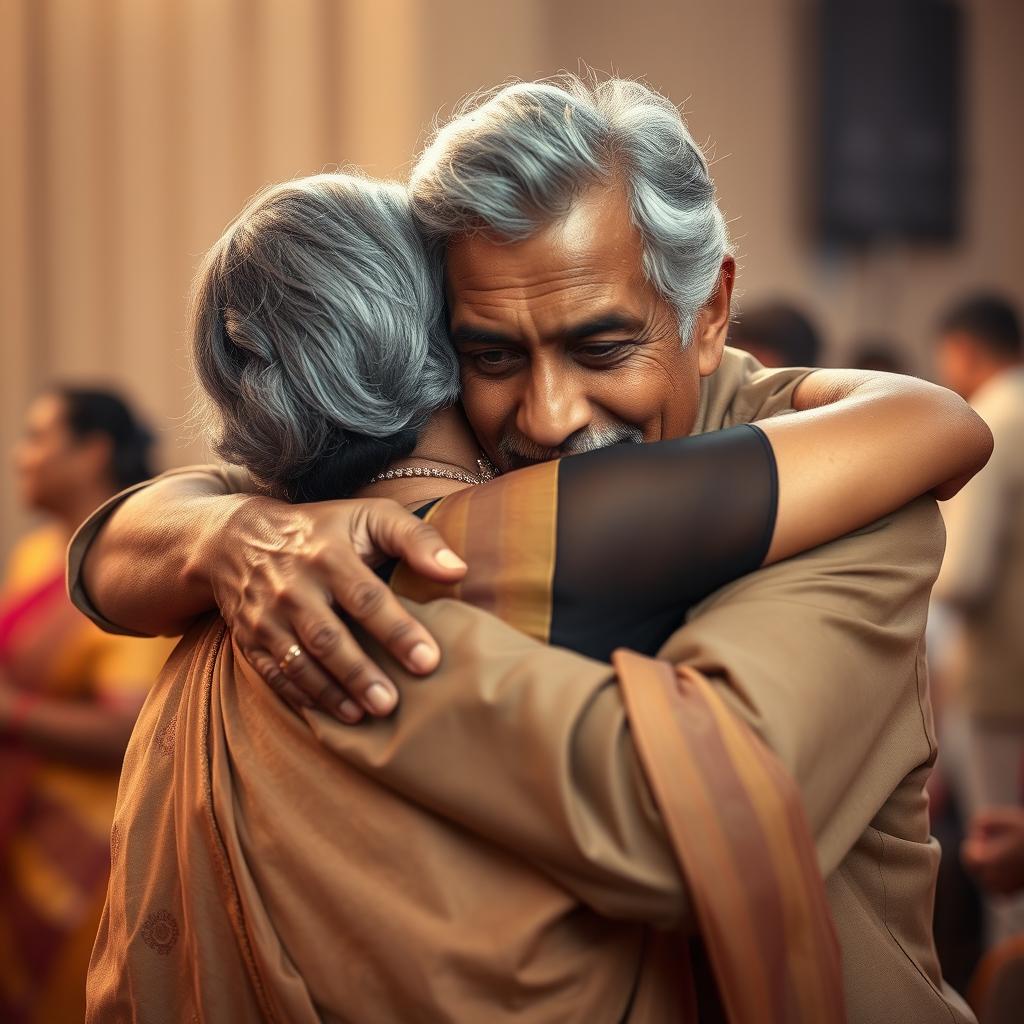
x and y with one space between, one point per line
712 326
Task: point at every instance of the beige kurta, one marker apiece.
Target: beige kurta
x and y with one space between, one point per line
494 852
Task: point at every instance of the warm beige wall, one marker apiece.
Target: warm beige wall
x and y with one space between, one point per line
134 129
743 73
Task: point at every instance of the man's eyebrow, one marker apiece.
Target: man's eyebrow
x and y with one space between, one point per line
465 335
605 324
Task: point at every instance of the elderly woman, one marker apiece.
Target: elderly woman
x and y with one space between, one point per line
69 695
284 866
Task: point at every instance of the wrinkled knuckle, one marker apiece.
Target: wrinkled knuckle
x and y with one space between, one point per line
324 693
357 678
326 555
321 639
285 597
259 630
273 676
421 533
400 632
365 598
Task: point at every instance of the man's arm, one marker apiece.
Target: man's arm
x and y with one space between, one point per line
154 557
131 564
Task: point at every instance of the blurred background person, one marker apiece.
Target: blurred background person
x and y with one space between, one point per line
994 853
777 334
882 355
981 585
69 696
994 849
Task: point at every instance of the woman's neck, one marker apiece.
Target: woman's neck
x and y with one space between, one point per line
447 439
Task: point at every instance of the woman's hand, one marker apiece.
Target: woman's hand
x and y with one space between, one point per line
280 574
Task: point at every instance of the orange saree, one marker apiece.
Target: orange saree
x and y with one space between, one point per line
54 817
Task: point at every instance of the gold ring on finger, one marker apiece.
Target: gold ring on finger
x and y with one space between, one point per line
293 652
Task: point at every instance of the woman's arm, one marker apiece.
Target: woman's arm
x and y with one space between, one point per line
861 446
184 545
662 538
612 548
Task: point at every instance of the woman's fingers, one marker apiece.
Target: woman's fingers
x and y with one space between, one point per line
283 581
268 669
329 648
400 534
368 600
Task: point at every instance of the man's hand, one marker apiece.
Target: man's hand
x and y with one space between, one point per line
280 574
994 849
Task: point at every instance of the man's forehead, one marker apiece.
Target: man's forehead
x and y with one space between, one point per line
595 238
576 325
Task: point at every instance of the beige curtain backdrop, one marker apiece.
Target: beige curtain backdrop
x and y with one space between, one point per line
131 131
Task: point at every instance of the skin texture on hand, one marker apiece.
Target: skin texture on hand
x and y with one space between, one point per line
188 543
994 849
281 573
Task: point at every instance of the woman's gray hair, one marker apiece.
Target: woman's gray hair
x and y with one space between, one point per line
512 160
317 325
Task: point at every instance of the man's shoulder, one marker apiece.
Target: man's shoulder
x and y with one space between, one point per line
741 390
913 534
910 541
897 554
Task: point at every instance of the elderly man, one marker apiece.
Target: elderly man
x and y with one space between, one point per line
589 292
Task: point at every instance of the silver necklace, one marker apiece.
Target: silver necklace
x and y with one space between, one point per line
487 472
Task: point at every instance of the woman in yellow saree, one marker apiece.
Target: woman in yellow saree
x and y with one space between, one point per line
69 695
259 866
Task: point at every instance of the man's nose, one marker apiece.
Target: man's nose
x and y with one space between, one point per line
552 408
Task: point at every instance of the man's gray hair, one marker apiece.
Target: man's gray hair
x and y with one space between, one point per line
317 321
511 161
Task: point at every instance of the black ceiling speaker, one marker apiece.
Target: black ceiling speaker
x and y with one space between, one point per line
891 83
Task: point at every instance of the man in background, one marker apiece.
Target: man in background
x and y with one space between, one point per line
777 334
979 356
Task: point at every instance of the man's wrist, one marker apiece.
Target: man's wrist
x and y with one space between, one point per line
225 525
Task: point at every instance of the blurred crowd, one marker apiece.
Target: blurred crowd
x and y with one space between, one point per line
69 693
975 637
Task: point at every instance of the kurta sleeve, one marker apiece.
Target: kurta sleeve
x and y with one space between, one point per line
554 775
229 479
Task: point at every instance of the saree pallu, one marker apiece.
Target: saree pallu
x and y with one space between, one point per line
54 817
509 846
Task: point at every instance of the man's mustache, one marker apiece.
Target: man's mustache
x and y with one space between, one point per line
516 450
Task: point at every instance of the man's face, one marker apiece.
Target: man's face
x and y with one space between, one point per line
565 346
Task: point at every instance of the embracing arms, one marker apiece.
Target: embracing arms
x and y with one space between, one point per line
821 656
275 569
863 445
